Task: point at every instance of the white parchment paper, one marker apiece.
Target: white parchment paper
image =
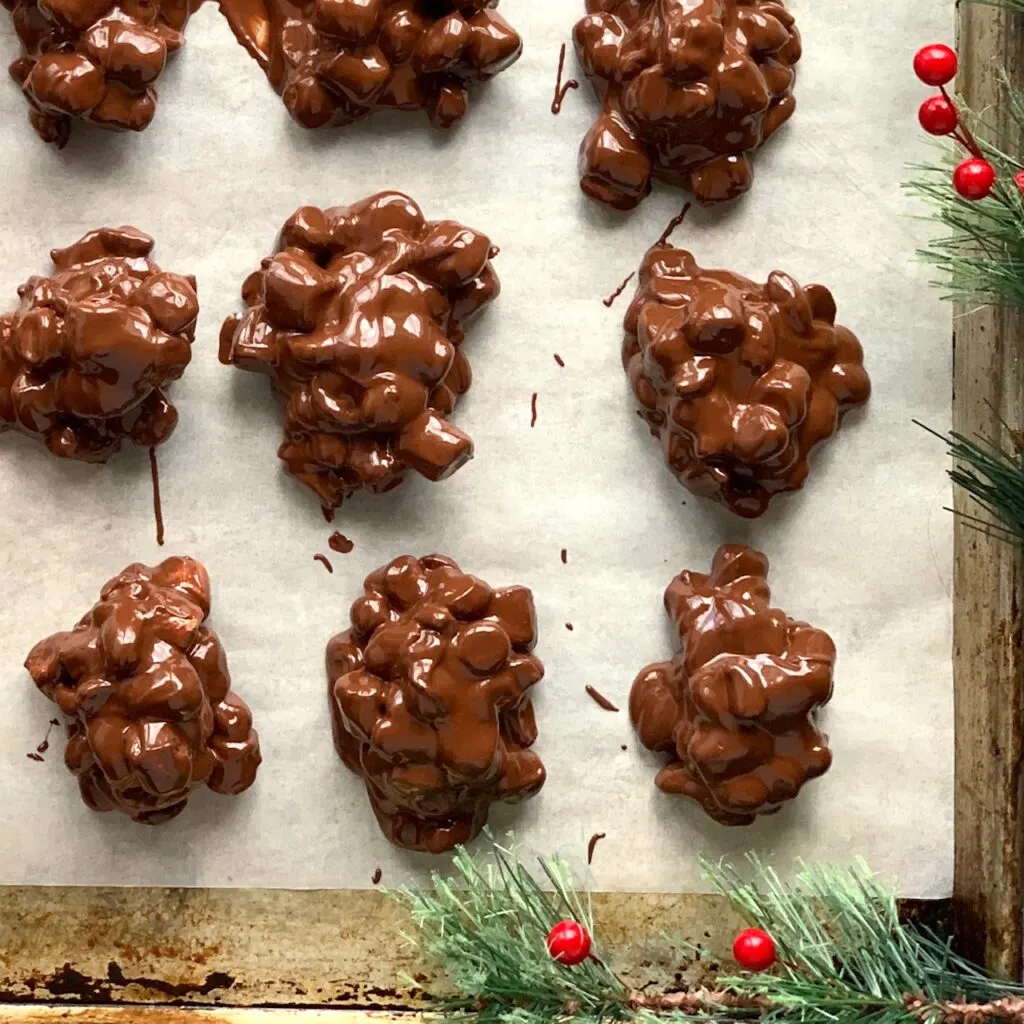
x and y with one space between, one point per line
863 552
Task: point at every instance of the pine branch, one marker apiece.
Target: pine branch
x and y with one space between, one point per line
981 255
992 473
844 955
490 931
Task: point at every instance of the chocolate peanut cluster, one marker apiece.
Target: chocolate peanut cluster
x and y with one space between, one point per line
147 689
335 61
430 699
86 360
739 381
688 91
734 709
96 60
358 320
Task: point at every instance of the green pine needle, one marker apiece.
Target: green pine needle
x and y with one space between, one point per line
843 947
981 254
489 929
844 955
993 475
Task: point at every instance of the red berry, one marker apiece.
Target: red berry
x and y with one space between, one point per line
937 115
974 178
754 949
935 64
1018 180
569 943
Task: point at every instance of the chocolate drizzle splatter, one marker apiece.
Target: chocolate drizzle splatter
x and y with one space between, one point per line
673 224
565 556
559 360
32 755
533 409
568 626
324 560
45 745
618 291
377 875
340 543
594 840
561 91
158 512
599 698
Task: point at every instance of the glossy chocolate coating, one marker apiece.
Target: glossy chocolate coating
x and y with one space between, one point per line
430 699
336 61
738 380
358 321
734 709
86 360
147 689
688 91
97 60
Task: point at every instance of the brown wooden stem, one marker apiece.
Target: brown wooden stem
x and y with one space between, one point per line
695 1002
1010 1009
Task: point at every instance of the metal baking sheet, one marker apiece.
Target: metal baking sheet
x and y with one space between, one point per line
863 552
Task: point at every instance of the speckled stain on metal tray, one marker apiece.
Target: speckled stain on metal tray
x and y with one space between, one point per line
275 947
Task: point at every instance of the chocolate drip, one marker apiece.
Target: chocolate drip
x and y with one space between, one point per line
599 698
158 511
561 91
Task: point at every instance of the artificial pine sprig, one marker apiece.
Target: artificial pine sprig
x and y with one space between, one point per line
489 928
981 259
844 955
992 473
981 255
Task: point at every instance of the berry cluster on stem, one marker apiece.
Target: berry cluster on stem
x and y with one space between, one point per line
936 65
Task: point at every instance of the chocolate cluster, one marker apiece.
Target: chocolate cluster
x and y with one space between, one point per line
688 91
97 60
734 709
86 360
335 61
738 380
430 699
147 689
358 320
